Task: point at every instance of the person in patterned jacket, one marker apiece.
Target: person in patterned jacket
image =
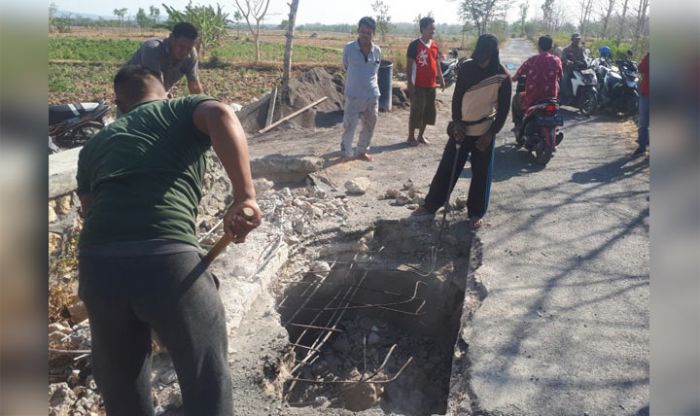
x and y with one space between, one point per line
480 106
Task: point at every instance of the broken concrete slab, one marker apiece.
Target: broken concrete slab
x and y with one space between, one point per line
63 167
285 168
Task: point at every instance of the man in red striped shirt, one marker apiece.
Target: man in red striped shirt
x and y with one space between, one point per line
422 67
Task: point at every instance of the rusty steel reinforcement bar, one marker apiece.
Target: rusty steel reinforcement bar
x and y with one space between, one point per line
322 339
387 381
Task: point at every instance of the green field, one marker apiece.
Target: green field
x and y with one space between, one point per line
240 51
120 50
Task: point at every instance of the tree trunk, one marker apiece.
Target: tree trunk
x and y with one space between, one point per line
622 22
257 42
641 18
288 48
606 20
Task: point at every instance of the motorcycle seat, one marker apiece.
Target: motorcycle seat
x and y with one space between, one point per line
444 65
62 112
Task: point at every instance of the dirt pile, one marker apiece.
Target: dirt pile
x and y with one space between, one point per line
304 90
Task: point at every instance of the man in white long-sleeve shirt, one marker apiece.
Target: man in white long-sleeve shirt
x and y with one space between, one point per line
361 59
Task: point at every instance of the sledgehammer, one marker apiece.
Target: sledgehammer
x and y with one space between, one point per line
225 240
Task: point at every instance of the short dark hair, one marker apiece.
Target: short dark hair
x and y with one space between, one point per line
132 81
184 30
425 22
545 42
368 22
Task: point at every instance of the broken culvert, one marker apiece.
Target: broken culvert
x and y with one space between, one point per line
371 328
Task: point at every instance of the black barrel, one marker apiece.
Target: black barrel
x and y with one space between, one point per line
384 77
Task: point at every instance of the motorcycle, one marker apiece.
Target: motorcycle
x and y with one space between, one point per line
449 67
72 125
539 131
618 86
583 87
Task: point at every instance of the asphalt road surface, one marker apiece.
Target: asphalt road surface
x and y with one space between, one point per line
564 329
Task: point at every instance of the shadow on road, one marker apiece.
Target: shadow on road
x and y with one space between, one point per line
509 162
612 171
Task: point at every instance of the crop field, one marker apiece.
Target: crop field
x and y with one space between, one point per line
82 63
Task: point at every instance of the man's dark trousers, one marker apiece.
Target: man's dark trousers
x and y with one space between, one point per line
480 186
174 295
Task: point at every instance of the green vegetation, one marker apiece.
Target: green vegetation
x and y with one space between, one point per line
92 50
120 50
210 23
245 51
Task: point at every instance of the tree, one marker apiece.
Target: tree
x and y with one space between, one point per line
622 22
210 23
283 24
120 13
383 18
141 19
523 16
586 9
154 14
548 14
416 20
609 7
254 10
237 18
293 6
480 12
641 21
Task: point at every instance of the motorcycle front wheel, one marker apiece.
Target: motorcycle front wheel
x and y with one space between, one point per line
589 102
79 136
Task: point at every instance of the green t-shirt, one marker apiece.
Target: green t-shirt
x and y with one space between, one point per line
145 173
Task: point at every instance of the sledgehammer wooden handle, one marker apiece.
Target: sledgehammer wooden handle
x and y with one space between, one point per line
225 240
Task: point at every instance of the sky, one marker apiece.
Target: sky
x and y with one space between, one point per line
310 11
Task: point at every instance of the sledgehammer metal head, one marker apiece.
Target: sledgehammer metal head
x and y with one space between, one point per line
225 240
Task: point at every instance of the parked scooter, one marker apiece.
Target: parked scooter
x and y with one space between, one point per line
539 131
618 86
71 125
450 66
583 88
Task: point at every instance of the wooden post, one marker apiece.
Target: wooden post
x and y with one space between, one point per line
271 108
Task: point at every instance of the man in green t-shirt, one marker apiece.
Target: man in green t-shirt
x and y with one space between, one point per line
141 269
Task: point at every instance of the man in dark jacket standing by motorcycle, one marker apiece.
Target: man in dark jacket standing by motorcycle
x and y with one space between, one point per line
480 105
140 183
543 72
571 56
172 57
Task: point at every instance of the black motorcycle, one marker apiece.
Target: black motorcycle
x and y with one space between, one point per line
618 89
71 125
450 67
538 131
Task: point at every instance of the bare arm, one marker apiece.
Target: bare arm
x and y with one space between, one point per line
228 139
409 70
195 87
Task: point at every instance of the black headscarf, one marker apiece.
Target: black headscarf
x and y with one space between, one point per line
487 48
